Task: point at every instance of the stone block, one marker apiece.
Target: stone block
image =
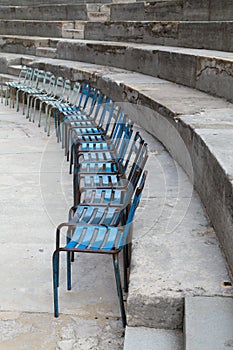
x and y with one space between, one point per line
208 323
164 11
124 12
138 338
196 10
203 35
214 75
35 28
221 10
180 68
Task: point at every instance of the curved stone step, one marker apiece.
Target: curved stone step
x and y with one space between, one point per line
205 70
171 33
175 10
35 28
45 12
52 2
79 12
184 34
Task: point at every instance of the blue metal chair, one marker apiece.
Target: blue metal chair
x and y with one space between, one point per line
100 239
42 89
26 83
31 86
11 86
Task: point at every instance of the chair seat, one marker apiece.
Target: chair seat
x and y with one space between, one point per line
110 181
96 238
97 168
113 196
96 214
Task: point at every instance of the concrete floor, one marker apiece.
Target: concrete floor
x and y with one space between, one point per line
36 193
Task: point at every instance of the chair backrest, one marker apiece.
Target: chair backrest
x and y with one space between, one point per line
44 86
75 94
112 215
28 77
40 79
50 85
122 241
58 88
134 164
88 98
23 75
122 135
66 91
34 78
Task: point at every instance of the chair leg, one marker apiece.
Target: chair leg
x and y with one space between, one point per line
68 262
119 289
76 188
55 281
125 264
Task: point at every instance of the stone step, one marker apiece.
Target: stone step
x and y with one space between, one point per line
208 323
45 12
14 69
138 338
175 10
25 45
46 52
8 61
147 11
51 2
7 77
179 34
35 28
182 34
191 67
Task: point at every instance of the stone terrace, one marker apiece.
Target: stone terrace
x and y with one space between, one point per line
171 65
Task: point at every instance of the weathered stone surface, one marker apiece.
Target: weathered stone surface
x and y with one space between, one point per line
221 9
208 323
208 10
193 10
45 12
35 28
152 11
20 330
158 33
195 68
137 338
217 70
52 2
23 45
196 10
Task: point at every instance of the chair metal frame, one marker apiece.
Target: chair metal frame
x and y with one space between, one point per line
99 239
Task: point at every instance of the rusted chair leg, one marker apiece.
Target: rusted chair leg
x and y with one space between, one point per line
55 281
119 289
